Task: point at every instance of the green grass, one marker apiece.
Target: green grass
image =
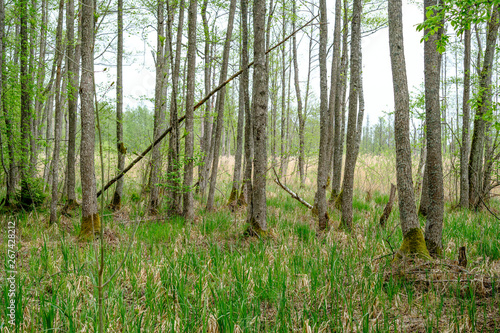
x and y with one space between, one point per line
206 276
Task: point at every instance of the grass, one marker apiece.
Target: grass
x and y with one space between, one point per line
206 277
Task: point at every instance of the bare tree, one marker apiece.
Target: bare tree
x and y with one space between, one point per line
464 150
189 143
413 238
257 210
116 202
90 216
159 116
351 136
324 159
434 165
246 187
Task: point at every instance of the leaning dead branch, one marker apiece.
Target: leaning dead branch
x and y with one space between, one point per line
292 193
200 103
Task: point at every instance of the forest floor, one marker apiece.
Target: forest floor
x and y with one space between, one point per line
206 276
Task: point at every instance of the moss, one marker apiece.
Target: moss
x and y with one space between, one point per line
337 200
233 197
87 230
414 245
254 230
116 203
434 249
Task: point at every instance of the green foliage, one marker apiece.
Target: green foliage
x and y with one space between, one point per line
31 194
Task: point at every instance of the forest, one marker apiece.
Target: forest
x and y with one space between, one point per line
226 166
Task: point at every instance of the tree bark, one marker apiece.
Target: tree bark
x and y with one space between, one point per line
324 160
25 104
159 116
351 136
246 187
257 209
339 113
299 99
464 150
58 116
189 143
90 217
219 106
413 240
283 101
434 167
73 76
484 104
116 202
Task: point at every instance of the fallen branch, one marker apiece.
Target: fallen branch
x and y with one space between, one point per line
200 103
292 193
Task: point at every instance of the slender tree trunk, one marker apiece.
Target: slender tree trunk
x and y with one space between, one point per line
351 137
257 209
49 108
464 151
283 102
207 119
73 75
90 216
116 203
434 167
338 136
299 99
173 170
484 99
334 79
413 239
233 197
25 104
324 159
159 116
246 188
58 117
189 143
219 105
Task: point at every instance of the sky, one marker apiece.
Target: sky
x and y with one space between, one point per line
139 75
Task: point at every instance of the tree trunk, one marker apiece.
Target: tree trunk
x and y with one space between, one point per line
283 102
339 113
219 106
58 117
90 216
246 187
159 116
464 150
484 103
116 202
72 61
324 159
233 197
207 118
434 166
173 170
189 143
299 99
413 240
351 137
25 104
257 209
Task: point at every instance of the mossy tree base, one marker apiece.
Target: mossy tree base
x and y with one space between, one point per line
91 225
116 203
70 206
434 249
254 230
337 200
414 245
233 198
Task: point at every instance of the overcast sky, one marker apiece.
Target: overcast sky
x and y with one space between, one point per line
139 77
